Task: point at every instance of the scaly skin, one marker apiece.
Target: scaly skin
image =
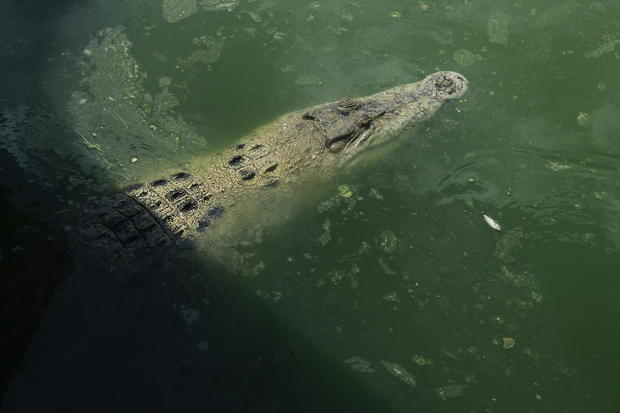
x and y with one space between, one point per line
316 141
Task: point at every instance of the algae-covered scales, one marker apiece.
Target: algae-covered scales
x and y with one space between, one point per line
317 141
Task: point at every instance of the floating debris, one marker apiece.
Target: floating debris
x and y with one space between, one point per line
508 342
375 194
422 361
255 16
336 276
387 241
257 269
491 222
347 17
386 268
399 372
583 118
325 236
391 297
536 296
217 5
449 391
89 144
309 80
557 167
359 365
344 191
134 160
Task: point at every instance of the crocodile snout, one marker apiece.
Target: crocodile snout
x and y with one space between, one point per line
449 85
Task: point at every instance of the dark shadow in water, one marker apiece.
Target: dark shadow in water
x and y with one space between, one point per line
129 338
170 336
27 30
33 257
32 253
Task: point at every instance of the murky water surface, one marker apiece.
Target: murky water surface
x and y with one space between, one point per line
385 289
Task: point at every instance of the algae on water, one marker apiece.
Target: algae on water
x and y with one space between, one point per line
37 140
117 118
208 53
176 10
556 15
606 47
387 241
497 28
464 57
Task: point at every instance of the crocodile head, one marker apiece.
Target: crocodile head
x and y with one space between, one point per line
351 126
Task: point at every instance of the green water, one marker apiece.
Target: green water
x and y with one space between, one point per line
395 296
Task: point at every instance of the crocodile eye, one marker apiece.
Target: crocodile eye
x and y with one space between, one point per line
347 105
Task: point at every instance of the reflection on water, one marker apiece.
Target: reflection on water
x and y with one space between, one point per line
384 289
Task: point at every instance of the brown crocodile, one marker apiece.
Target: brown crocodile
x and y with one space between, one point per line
316 141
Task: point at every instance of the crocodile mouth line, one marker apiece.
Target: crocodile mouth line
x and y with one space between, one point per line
354 139
361 136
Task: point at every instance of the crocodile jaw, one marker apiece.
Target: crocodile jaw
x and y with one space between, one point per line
402 107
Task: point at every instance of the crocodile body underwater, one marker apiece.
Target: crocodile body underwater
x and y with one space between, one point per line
318 141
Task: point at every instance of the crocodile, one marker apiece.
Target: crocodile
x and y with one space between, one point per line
317 141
